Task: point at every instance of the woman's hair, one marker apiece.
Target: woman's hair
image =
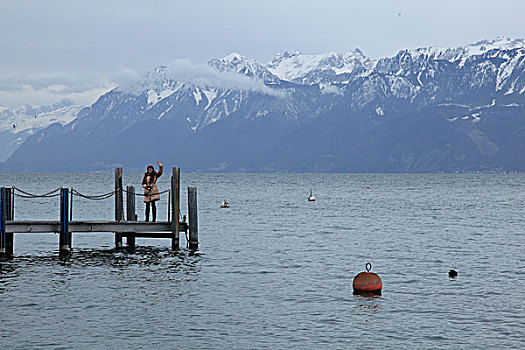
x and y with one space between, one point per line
153 173
146 174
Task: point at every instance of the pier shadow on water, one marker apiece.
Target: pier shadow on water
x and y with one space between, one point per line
156 260
142 256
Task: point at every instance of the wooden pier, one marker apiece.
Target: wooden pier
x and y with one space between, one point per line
127 226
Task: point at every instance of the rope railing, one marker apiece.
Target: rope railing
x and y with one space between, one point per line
142 194
55 193
24 194
73 192
96 197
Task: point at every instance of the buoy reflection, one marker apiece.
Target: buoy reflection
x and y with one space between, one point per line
367 304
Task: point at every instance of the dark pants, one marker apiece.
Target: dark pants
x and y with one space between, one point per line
153 211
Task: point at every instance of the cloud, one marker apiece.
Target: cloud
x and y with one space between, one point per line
184 71
330 89
203 75
127 79
47 88
61 82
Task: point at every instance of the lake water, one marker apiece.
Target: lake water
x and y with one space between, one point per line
275 271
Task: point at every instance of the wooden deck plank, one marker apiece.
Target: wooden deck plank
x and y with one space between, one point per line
128 227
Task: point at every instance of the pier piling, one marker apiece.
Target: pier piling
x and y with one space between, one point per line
119 205
65 234
130 212
10 215
71 205
193 219
175 207
125 224
3 218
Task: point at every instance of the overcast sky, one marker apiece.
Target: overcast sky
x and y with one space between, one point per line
62 48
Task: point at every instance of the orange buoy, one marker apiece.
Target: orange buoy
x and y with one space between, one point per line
367 282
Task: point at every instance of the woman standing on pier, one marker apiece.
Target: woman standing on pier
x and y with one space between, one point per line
151 192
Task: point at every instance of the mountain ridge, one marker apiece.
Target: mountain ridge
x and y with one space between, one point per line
438 110
16 125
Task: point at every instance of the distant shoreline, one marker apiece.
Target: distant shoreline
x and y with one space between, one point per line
134 170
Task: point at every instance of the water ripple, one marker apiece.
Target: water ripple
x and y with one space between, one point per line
280 275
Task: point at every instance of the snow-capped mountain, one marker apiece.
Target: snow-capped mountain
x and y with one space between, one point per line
16 125
463 53
426 109
237 63
314 69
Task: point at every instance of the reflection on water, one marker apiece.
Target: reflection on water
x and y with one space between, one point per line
121 258
141 256
160 260
8 271
367 305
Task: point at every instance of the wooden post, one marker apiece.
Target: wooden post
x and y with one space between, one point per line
65 235
169 204
175 207
119 205
192 217
130 212
3 218
71 205
8 204
13 203
10 213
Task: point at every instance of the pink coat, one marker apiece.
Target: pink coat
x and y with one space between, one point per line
151 180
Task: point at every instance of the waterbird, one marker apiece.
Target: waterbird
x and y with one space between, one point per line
311 198
225 204
14 126
452 274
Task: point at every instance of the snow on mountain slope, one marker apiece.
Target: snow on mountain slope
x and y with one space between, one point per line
299 68
296 67
332 71
36 118
462 53
194 92
237 63
17 125
328 68
494 65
